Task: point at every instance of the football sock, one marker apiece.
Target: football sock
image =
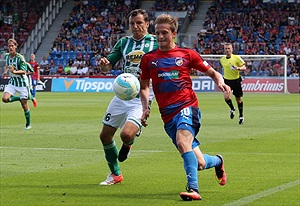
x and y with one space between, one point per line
229 102
212 161
33 92
191 169
240 106
14 98
27 117
111 155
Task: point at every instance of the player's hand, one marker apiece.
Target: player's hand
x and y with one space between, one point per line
104 64
103 61
4 74
11 68
226 91
145 116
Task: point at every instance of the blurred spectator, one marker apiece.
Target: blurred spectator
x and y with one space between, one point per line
53 68
73 69
67 69
46 69
60 69
43 65
83 69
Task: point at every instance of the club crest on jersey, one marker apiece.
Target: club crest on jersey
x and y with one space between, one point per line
135 57
179 61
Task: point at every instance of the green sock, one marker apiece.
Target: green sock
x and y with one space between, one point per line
111 155
13 99
27 117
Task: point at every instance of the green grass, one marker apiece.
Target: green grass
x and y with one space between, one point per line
60 161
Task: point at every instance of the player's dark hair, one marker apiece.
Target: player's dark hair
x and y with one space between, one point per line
136 12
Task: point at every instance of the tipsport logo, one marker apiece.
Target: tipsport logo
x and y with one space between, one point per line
83 85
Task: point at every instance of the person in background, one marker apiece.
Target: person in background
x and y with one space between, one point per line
120 113
43 64
35 76
18 83
169 68
53 68
232 65
60 69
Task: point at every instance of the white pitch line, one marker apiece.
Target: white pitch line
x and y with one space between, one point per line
75 149
262 194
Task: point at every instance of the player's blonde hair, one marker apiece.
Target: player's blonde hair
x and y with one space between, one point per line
13 41
167 19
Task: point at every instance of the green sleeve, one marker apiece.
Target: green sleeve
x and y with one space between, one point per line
116 53
22 64
29 67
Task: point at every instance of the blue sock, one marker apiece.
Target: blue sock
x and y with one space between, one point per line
191 169
33 92
211 161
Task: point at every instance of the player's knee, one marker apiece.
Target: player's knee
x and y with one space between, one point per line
5 99
105 138
126 136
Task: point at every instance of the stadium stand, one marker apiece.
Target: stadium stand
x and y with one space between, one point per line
93 27
17 18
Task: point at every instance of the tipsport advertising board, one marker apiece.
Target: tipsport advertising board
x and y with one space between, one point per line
200 84
82 84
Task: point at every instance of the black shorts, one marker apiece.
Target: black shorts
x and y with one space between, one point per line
236 86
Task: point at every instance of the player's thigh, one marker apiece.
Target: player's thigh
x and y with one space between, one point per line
129 131
23 91
133 118
34 82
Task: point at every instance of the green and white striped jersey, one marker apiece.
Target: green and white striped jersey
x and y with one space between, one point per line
132 51
19 63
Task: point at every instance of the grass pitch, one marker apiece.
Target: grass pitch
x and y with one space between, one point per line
60 161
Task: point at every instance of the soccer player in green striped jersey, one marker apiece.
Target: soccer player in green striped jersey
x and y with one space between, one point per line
120 113
16 67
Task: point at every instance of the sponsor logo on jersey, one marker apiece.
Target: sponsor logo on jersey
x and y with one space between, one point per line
135 57
168 75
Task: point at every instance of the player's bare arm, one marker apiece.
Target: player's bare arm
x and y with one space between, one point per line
144 95
219 81
105 64
242 68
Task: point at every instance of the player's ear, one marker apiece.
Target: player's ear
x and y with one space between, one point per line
174 34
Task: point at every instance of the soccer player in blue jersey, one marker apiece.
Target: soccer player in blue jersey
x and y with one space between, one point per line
120 113
169 69
16 67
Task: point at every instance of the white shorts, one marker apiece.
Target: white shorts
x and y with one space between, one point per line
23 91
119 111
151 92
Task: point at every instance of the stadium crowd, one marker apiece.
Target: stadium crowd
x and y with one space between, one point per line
93 27
18 17
254 28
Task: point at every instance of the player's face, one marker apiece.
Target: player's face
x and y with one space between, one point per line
12 48
228 50
32 57
165 37
138 26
